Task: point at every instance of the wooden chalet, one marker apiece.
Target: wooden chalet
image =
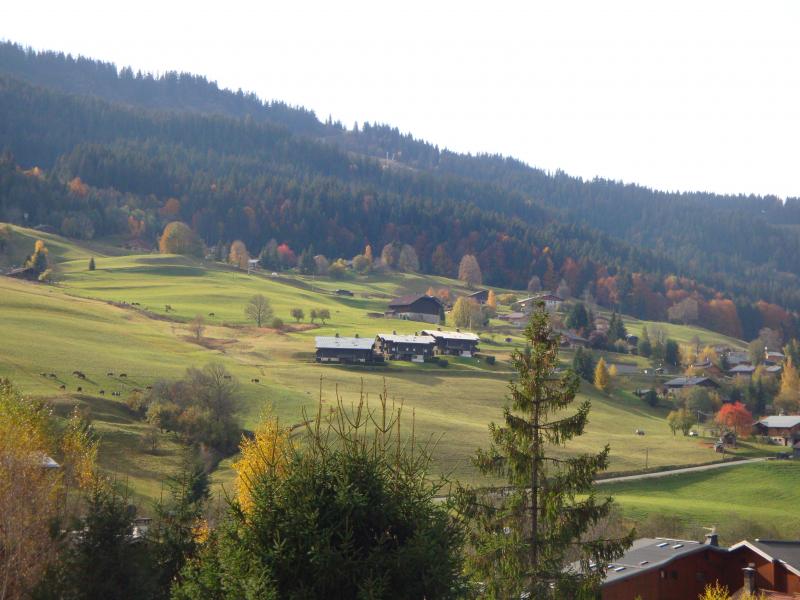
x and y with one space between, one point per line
664 569
572 340
26 273
348 350
453 343
771 567
415 348
670 569
517 319
551 302
417 308
480 296
782 430
680 383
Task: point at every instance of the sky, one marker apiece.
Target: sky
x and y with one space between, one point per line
677 95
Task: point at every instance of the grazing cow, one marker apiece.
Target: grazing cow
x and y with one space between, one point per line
211 315
63 387
226 376
109 374
255 381
80 389
43 374
149 387
103 392
52 375
640 432
123 374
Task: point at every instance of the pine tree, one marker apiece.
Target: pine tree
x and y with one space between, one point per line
522 540
91 264
602 380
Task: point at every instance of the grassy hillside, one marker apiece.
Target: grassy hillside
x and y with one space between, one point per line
765 494
82 324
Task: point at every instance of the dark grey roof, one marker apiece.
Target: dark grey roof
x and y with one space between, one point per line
742 369
406 300
652 553
687 381
787 552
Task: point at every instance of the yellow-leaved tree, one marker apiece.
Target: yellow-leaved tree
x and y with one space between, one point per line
266 452
788 399
602 380
38 466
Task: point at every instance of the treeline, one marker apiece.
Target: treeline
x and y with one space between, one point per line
235 168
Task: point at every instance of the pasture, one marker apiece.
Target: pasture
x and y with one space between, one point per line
765 494
115 319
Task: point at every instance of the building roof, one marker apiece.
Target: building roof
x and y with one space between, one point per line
780 421
410 299
687 381
512 316
406 339
785 552
345 343
478 293
742 369
652 553
738 356
451 335
774 369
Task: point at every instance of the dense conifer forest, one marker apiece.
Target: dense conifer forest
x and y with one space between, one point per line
91 150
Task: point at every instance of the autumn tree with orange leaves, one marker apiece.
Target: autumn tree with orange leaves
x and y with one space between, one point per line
735 417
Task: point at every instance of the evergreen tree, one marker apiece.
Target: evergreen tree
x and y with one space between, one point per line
583 364
91 264
38 261
306 262
523 538
578 317
672 353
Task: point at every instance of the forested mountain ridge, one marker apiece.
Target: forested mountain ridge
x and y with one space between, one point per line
243 169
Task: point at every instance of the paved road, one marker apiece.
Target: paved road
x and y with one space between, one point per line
732 463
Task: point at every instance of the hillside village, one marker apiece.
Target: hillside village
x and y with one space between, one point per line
252 353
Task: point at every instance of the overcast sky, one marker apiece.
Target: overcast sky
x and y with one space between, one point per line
676 95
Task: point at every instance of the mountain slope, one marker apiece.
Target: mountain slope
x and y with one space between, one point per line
242 168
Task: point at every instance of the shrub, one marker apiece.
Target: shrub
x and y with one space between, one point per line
277 323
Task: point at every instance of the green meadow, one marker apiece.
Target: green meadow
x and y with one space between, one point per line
765 494
116 319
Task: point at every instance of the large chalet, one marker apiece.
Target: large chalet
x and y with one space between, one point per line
453 343
415 348
420 307
348 350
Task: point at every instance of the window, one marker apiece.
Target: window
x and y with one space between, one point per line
674 574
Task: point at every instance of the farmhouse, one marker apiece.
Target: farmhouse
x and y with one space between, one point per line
350 350
571 340
774 358
415 348
680 383
737 357
454 343
28 273
481 296
517 319
742 369
783 430
417 308
551 302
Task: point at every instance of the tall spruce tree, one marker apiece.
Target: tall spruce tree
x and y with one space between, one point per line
525 538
